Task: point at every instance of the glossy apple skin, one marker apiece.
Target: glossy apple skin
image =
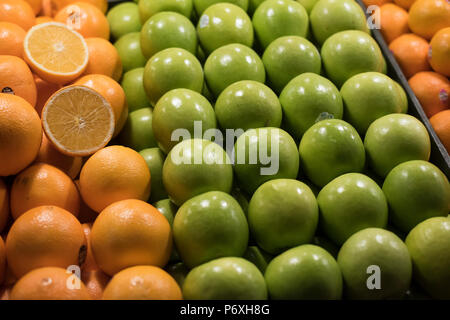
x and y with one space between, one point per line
138 132
129 48
123 19
148 8
154 158
133 85
201 5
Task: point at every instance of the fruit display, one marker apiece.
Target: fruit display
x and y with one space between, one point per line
223 150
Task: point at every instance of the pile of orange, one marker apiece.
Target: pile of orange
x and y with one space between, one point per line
54 79
418 34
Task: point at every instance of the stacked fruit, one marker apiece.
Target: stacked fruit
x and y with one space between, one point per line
418 33
225 165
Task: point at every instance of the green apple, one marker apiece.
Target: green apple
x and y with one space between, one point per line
155 161
137 132
168 30
308 4
129 49
258 257
225 279
394 139
170 69
133 85
167 208
196 166
148 8
308 98
329 149
230 64
306 272
287 57
277 18
375 264
331 16
276 227
403 97
247 105
242 198
428 244
178 271
201 5
369 96
180 109
326 244
210 226
253 5
350 203
416 190
347 53
264 154
123 19
224 23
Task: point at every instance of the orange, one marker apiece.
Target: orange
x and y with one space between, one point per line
394 21
112 174
36 5
103 58
18 12
411 53
89 264
4 205
130 233
49 155
47 8
95 282
48 284
55 53
78 121
16 78
59 4
11 39
405 4
45 236
5 292
2 261
85 18
375 2
43 19
112 92
43 185
44 91
426 17
439 54
432 90
20 134
142 283
86 215
441 124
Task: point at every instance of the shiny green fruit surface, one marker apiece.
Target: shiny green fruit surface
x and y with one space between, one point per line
222 24
329 149
172 69
306 272
287 57
350 203
181 110
230 64
247 105
394 139
137 132
129 49
376 265
210 226
167 208
155 161
416 190
123 19
201 5
276 18
133 85
308 98
225 279
148 8
277 226
194 167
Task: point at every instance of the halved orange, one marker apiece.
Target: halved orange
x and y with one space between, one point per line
55 52
78 120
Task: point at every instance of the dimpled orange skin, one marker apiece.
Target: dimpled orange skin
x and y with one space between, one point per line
142 283
112 174
130 233
18 12
15 74
85 18
439 54
4 205
426 17
103 59
45 236
89 264
11 39
59 4
95 282
48 283
44 91
20 134
2 261
43 185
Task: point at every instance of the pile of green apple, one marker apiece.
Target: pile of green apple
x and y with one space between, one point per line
355 210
